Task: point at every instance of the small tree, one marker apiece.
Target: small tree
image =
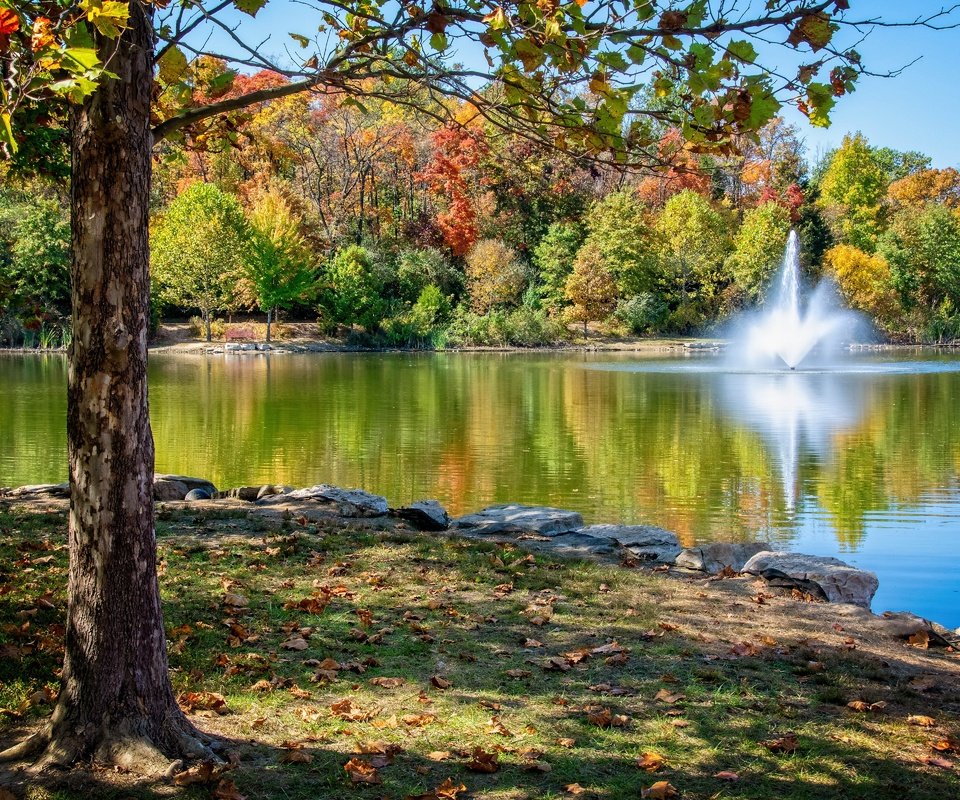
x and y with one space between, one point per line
355 288
864 280
199 250
35 251
590 287
620 230
758 247
279 266
495 276
554 257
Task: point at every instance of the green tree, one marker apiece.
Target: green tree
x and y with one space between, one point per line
356 287
200 250
691 245
590 288
34 252
554 256
852 192
618 227
111 60
758 247
279 265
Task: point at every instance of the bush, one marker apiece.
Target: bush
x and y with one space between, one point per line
198 330
417 269
523 327
642 314
495 275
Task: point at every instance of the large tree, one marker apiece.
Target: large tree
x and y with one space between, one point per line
564 72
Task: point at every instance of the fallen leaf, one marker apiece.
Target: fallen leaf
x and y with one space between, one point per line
574 788
921 720
203 701
668 697
566 742
417 720
518 673
482 761
783 744
235 600
920 639
601 718
497 727
651 762
361 771
295 643
227 790
296 757
661 790
439 755
439 682
727 776
936 761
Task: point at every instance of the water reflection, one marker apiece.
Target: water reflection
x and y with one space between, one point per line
861 463
797 414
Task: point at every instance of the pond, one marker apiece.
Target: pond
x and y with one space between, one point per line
861 461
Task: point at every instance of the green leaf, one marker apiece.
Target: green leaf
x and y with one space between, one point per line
742 50
303 41
614 60
6 132
172 65
820 101
250 7
636 54
438 42
80 59
107 16
763 108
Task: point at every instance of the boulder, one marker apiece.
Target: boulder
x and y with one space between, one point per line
246 493
822 576
169 490
271 490
198 494
715 556
191 483
426 515
580 544
349 502
646 542
49 489
515 518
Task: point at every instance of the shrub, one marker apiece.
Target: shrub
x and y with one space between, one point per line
523 327
642 314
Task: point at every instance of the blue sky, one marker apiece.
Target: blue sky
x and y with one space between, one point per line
919 110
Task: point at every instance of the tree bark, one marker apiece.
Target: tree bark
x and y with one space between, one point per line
269 320
116 704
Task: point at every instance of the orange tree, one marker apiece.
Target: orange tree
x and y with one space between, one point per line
564 72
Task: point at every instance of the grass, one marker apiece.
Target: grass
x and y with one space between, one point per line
431 610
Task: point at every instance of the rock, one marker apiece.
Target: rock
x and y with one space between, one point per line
427 515
713 557
169 490
646 542
582 545
192 483
270 490
514 518
50 489
246 493
823 576
198 494
350 502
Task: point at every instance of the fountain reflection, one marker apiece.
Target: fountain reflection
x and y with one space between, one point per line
798 415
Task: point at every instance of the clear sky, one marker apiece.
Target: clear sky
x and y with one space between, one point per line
918 110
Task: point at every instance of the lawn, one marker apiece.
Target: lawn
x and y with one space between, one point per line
345 660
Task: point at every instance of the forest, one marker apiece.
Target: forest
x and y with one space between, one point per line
398 227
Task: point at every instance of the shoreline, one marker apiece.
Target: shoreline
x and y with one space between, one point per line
542 530
639 345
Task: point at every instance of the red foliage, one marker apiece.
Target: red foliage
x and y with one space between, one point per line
457 150
680 171
791 199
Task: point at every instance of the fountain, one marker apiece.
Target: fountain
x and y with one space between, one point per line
784 330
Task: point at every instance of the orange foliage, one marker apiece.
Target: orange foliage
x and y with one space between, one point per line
679 172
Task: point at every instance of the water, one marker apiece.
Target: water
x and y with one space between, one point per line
860 462
789 328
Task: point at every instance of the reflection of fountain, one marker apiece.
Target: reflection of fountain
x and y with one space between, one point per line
797 414
783 331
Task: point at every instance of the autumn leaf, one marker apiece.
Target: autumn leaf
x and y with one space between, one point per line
860 705
574 789
482 761
296 757
783 744
727 776
439 682
439 755
227 790
936 761
344 709
922 720
203 701
517 673
9 22
295 643
388 683
235 600
661 790
668 697
361 771
497 727
417 720
601 718
651 762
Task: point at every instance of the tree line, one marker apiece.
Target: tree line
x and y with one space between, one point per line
398 228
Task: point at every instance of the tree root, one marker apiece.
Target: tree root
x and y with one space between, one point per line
117 746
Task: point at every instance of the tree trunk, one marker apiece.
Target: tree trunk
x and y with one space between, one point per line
269 320
116 704
206 325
